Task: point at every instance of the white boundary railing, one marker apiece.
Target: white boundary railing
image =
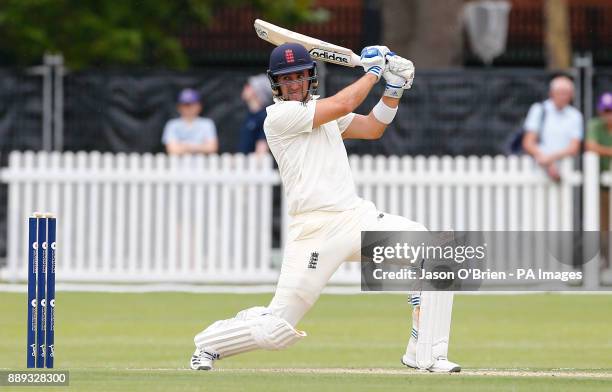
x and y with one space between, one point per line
208 219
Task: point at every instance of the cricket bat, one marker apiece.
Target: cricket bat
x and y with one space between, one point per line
319 50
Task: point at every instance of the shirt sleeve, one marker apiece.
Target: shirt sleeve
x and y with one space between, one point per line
578 129
211 131
345 121
169 134
290 118
534 117
592 134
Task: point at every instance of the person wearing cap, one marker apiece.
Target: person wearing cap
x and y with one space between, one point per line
257 95
305 135
553 128
599 140
190 134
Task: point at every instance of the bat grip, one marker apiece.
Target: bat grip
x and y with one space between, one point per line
357 59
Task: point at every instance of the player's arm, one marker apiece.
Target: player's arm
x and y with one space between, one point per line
369 127
349 98
398 74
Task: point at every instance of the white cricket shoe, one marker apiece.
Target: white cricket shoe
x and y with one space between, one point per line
202 359
441 365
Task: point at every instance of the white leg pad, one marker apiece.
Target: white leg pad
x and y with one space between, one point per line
251 329
434 327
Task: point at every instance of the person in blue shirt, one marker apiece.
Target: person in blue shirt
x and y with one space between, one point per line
257 94
190 134
553 128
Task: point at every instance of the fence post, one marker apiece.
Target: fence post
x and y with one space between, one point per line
53 102
46 72
591 216
58 102
584 85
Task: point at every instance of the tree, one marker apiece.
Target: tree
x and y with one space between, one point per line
557 34
116 32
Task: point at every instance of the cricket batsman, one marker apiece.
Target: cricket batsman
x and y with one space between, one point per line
305 134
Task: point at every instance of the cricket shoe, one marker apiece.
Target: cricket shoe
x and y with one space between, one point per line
441 365
203 360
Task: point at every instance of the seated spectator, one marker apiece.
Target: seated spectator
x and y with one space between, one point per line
553 128
257 94
190 134
599 140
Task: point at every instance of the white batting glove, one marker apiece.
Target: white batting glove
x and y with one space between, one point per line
373 60
399 74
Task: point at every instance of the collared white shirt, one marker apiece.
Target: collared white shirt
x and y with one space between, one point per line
313 163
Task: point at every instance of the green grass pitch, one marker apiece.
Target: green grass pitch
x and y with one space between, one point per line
142 342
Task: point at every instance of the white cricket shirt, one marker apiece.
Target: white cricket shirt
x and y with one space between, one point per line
313 163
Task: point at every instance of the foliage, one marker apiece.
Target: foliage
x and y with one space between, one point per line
116 32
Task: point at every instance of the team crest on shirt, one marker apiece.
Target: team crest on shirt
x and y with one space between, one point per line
314 259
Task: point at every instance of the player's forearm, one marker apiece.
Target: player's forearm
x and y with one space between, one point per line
391 102
376 127
354 94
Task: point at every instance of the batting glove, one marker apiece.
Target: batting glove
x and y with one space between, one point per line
373 60
399 74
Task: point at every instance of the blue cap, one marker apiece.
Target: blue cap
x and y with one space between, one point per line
605 102
188 96
288 58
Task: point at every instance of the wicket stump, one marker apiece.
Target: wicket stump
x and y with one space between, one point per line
41 290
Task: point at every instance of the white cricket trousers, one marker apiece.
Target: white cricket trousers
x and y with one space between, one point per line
317 244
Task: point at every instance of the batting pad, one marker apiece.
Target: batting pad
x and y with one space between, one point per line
251 329
434 327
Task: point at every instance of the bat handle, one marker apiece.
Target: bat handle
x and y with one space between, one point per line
357 60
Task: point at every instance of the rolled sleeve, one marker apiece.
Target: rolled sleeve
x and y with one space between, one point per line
288 119
345 121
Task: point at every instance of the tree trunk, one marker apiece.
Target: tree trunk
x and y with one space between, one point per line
557 34
426 31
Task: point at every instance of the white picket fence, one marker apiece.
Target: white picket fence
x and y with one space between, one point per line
205 219
144 217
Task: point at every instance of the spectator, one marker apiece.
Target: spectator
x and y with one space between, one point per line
257 94
599 132
599 140
190 134
553 128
